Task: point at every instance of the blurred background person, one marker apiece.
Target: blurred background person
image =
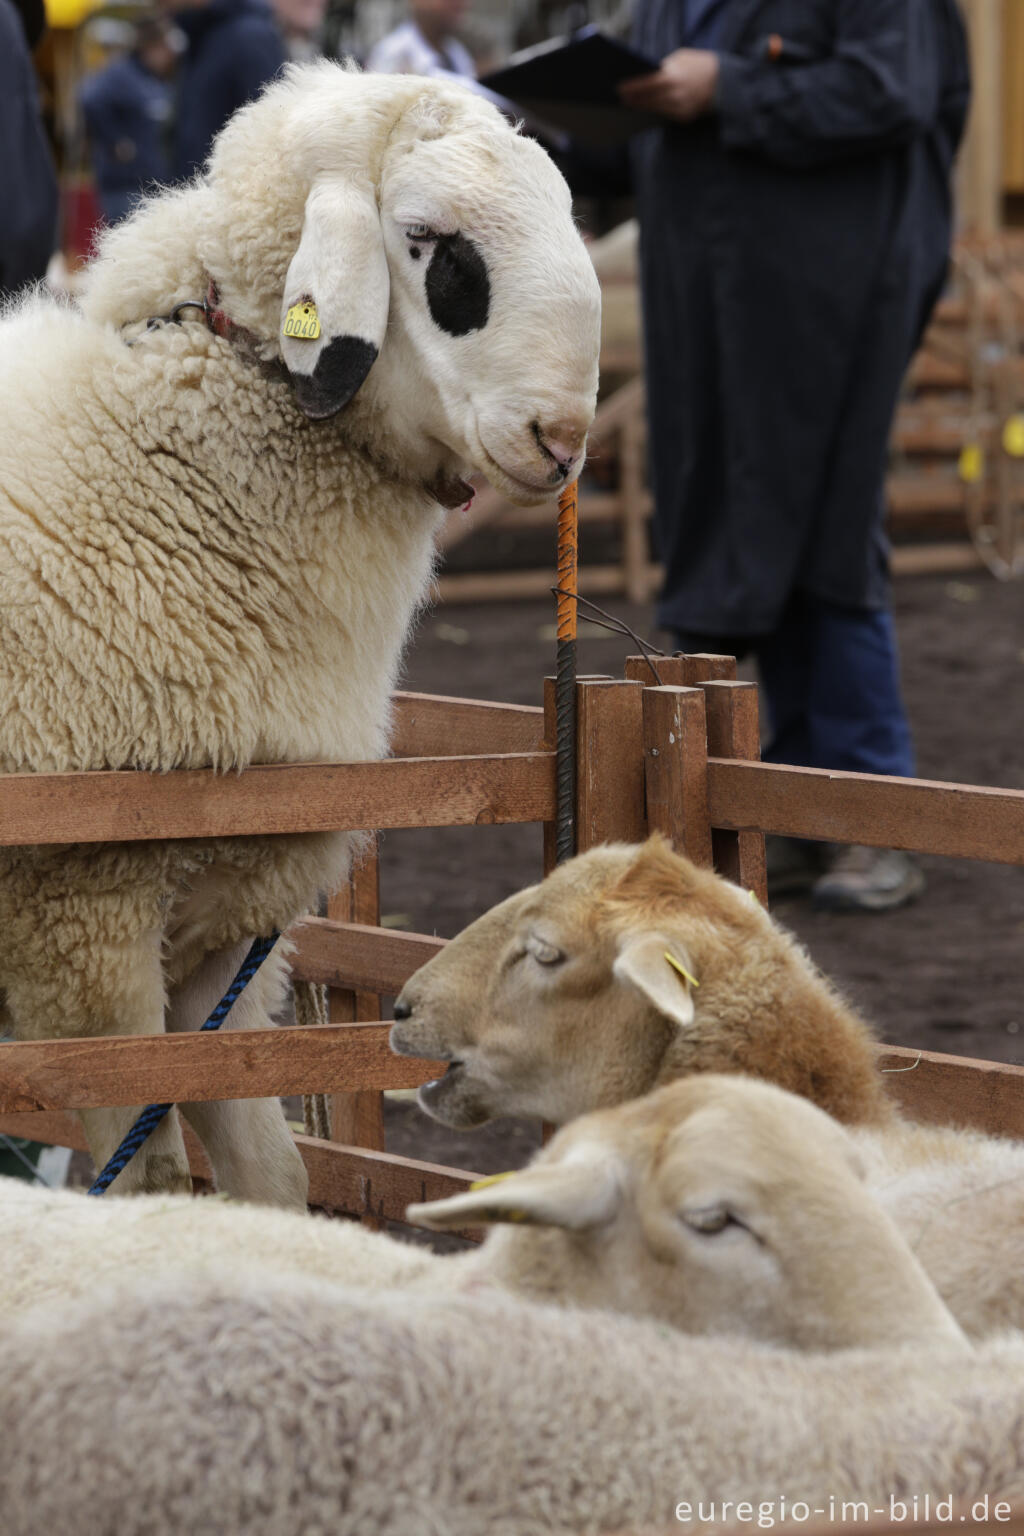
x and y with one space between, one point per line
426 44
234 47
795 215
301 23
127 110
28 179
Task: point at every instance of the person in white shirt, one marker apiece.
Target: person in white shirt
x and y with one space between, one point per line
426 44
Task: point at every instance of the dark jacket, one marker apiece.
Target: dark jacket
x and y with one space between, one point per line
28 181
793 246
234 48
127 113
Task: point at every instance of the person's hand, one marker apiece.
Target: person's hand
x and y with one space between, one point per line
683 88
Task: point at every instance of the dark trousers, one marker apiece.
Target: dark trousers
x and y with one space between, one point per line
831 678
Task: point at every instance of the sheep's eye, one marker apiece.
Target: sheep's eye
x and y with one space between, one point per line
419 232
711 1220
543 952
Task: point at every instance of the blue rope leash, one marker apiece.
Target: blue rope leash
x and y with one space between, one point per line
153 1113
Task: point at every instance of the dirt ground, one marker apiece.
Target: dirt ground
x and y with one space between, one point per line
946 974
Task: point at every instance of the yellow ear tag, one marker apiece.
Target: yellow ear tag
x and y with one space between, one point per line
684 973
497 1178
1013 437
972 463
492 1178
302 321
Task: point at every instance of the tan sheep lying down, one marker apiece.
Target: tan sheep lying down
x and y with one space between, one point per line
629 968
700 1205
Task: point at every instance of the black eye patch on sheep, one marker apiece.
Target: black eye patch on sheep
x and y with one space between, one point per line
458 288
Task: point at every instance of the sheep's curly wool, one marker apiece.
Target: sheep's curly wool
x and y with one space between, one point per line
251 1408
194 573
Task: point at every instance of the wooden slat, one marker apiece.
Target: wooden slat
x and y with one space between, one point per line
594 507
676 769
231 1064
682 671
306 797
734 732
956 1090
377 1185
357 1119
910 496
341 1178
352 955
941 559
500 586
610 767
961 821
430 725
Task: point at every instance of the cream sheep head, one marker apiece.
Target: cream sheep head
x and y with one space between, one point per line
717 1204
459 313
627 967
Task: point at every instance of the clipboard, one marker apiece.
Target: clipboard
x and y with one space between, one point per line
570 82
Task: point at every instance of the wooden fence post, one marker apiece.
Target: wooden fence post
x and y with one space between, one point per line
734 731
357 1119
676 769
682 671
610 766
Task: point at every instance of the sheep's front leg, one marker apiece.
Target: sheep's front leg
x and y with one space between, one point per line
247 1141
89 974
159 1167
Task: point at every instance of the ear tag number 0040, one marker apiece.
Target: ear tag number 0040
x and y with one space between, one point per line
302 321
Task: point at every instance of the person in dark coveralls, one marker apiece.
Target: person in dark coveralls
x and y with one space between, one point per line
234 48
127 112
28 179
795 217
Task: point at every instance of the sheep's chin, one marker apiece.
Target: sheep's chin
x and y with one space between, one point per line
452 1100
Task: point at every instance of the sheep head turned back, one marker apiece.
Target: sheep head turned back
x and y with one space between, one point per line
718 1204
451 312
627 968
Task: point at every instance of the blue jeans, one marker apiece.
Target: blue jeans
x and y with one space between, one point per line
831 678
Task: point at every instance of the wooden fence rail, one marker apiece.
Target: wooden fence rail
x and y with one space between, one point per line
680 757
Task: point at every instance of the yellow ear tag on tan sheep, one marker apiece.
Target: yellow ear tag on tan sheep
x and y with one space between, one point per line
684 973
302 321
497 1178
492 1178
1013 437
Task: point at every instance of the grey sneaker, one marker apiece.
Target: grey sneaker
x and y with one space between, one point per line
868 880
794 864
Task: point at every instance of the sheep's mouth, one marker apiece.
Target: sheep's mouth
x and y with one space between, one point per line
447 1099
517 487
445 1080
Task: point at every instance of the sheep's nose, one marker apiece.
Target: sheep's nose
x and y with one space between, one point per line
562 441
402 1010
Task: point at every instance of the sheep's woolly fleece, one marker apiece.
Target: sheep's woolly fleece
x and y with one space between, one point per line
193 572
241 1408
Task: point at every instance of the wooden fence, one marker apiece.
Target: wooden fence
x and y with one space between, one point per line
678 754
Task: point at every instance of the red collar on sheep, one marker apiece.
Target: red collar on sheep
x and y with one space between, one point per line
221 324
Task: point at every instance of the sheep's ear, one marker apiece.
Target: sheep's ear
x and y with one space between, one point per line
659 968
336 297
575 1195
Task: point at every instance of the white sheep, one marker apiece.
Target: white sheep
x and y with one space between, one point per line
629 968
199 568
253 1405
617 1212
